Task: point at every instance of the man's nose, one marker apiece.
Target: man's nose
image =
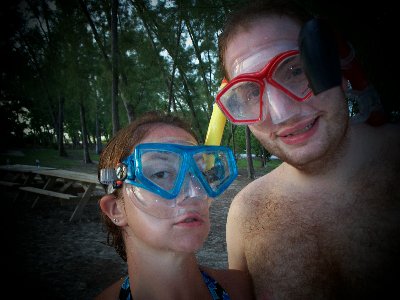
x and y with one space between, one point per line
280 106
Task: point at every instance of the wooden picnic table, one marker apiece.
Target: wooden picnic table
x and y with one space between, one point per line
18 175
15 173
26 175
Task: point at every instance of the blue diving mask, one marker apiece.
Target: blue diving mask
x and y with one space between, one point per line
162 168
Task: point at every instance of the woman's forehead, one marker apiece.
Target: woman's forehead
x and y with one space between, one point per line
166 133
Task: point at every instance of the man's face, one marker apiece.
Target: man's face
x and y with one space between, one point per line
297 132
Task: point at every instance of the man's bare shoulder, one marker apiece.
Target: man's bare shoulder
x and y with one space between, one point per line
391 141
392 133
389 131
381 141
256 192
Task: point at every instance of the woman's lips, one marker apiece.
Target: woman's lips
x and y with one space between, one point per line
190 219
299 133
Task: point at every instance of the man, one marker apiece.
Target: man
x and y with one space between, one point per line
325 223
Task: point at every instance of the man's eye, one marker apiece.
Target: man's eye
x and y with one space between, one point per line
296 71
232 102
254 93
252 97
250 91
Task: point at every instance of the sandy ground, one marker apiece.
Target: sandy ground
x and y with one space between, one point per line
47 257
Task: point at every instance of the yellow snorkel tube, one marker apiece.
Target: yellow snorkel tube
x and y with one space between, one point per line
215 129
217 123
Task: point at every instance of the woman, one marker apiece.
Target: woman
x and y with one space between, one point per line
157 211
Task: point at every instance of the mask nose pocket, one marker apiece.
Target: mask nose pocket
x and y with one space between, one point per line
280 106
192 189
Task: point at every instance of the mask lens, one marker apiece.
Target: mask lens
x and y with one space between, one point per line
289 76
242 101
160 168
216 171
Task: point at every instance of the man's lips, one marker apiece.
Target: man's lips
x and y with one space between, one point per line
299 132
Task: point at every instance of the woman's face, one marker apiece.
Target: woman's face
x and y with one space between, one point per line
187 230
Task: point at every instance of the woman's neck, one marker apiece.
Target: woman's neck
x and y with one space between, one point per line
165 275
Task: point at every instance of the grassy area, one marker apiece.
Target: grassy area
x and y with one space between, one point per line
272 164
50 158
47 158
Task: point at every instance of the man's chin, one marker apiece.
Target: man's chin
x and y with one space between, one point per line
300 159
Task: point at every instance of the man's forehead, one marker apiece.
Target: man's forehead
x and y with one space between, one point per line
271 35
257 58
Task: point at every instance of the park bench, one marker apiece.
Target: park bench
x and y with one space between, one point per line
35 190
33 175
47 192
9 184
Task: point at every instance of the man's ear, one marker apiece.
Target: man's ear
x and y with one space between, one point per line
114 209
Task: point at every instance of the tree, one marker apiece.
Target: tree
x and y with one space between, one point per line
60 134
250 167
115 73
86 156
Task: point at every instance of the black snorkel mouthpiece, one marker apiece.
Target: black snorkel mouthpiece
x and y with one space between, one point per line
320 55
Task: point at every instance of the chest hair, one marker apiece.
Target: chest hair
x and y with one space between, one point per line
335 241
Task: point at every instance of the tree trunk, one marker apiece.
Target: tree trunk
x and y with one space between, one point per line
130 112
60 134
86 156
192 109
264 157
171 103
75 141
202 68
250 167
124 81
115 74
233 139
99 145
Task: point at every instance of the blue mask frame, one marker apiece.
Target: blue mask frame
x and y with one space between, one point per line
223 169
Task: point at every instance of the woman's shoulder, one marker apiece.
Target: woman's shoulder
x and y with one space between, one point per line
111 292
236 283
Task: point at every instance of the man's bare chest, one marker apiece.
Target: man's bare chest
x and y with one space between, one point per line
310 240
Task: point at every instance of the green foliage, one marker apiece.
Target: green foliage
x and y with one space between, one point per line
271 164
12 119
52 51
240 140
50 158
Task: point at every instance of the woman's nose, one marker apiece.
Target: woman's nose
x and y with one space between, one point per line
191 189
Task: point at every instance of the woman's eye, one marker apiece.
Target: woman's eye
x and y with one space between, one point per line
160 175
